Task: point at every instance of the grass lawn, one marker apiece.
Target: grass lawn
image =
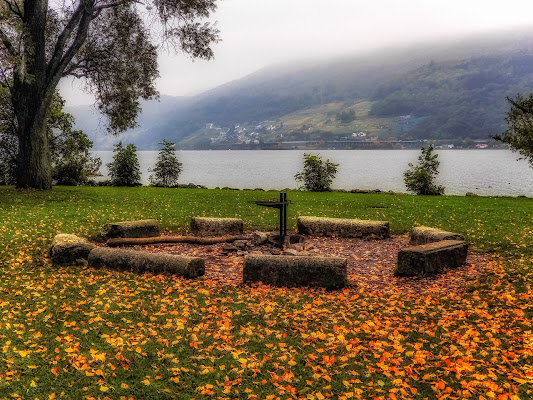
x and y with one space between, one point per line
77 333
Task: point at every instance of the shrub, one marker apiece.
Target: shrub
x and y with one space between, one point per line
125 170
317 175
167 168
419 178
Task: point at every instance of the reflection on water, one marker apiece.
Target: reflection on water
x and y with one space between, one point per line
485 172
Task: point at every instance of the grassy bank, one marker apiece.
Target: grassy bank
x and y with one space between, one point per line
76 333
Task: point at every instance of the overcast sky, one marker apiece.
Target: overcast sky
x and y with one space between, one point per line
258 33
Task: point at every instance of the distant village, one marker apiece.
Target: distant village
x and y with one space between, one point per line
269 135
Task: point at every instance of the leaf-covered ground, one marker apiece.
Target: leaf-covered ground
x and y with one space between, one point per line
78 333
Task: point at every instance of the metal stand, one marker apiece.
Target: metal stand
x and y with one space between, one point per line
282 206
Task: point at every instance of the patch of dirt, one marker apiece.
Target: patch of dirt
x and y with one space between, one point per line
371 264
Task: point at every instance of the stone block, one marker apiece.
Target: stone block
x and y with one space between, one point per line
431 258
69 249
132 229
144 261
340 227
425 234
202 226
295 271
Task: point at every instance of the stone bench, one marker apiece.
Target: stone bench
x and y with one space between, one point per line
294 271
144 261
340 227
132 229
431 258
425 234
69 249
202 226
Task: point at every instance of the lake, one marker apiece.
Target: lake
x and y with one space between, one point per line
485 172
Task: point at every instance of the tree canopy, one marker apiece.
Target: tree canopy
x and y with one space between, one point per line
519 134
111 45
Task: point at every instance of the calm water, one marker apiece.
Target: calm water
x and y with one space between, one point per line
485 172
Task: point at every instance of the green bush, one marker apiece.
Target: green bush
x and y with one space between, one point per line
167 168
419 178
317 175
125 170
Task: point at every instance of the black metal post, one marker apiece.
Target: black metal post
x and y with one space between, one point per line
282 206
283 199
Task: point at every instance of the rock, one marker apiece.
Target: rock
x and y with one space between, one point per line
201 226
295 238
471 194
291 252
144 261
241 244
69 249
260 238
339 227
425 234
132 229
275 252
229 248
309 246
295 246
290 271
432 258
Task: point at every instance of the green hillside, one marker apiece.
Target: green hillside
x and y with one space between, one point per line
455 92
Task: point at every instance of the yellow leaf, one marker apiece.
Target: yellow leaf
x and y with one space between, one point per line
146 381
104 388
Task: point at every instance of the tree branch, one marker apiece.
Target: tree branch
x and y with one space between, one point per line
64 38
60 61
15 10
7 43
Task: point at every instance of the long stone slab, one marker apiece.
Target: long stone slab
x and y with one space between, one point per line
132 229
431 258
341 227
425 234
144 261
203 226
295 271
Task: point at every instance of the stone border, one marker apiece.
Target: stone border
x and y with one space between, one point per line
203 226
426 234
132 229
296 271
341 227
431 258
145 261
67 249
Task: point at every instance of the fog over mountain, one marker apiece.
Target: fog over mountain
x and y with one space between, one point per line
452 90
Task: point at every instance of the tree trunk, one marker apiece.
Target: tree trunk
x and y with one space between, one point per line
31 97
34 169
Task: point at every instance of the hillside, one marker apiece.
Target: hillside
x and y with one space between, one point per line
454 92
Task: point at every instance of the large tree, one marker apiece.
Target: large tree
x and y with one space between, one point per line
519 134
71 160
111 44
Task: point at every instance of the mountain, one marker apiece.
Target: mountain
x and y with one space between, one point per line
449 91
